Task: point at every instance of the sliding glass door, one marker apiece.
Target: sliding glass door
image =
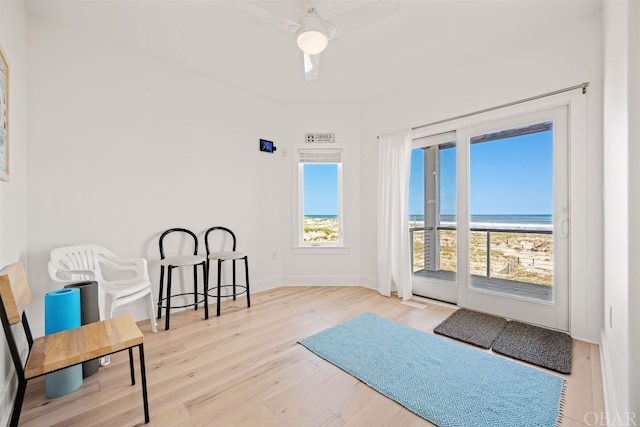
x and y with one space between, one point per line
489 217
432 216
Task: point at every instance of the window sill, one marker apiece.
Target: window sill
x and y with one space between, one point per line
325 250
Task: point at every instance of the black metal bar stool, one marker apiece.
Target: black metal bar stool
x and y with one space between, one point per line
222 256
178 261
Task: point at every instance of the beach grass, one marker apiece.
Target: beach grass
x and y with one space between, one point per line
321 229
523 257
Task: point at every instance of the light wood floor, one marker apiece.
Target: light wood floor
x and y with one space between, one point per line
246 369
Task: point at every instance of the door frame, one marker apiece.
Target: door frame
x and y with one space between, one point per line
553 314
436 289
575 101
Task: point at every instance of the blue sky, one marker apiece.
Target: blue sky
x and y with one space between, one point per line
508 176
320 189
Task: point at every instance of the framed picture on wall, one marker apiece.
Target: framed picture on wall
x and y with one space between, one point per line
4 117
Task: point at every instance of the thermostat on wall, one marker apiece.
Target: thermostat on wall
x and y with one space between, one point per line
320 138
267 146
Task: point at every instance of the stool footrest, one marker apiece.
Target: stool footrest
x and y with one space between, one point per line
243 291
192 304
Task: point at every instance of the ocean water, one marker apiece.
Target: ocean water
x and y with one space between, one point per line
507 222
510 222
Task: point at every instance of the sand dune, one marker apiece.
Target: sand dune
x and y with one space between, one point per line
517 256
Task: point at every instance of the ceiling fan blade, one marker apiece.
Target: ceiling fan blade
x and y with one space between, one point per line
365 15
311 66
256 8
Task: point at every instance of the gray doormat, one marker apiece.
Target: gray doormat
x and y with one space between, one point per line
535 345
472 327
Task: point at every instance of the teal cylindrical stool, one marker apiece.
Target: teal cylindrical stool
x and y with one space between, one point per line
89 313
62 312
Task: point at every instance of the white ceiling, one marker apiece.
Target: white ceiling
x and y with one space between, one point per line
222 40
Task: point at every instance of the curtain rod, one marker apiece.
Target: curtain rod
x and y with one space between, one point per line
582 86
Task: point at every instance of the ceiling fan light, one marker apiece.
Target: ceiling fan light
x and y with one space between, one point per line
312 42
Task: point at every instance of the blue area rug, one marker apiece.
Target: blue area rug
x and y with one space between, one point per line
445 382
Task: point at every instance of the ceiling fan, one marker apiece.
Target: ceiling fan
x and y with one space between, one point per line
313 32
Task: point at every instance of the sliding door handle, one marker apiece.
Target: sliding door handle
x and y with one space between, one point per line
563 227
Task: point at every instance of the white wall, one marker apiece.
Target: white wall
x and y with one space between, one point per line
123 146
551 61
319 266
13 194
622 205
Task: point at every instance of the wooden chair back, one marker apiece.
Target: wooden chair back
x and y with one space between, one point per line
14 291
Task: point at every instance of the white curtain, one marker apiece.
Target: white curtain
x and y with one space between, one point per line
394 256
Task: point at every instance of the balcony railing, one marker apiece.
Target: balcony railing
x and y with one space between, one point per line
524 255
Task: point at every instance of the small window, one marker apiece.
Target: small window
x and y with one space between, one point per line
320 197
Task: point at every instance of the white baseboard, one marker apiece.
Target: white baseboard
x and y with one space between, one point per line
584 339
322 281
8 392
610 402
370 282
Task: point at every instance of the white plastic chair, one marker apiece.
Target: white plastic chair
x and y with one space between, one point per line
71 264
